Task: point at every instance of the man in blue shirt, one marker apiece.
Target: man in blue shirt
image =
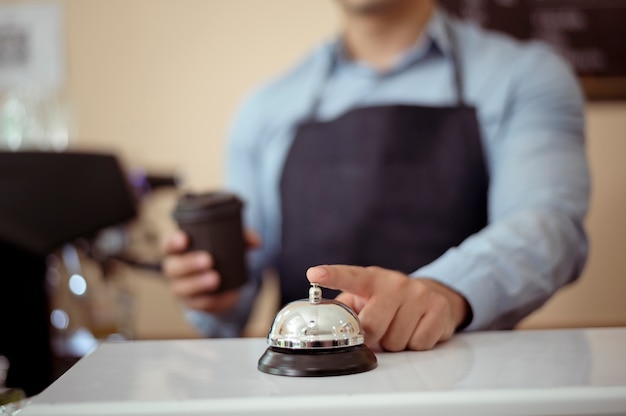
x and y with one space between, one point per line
432 172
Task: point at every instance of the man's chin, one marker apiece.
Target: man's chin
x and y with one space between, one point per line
369 7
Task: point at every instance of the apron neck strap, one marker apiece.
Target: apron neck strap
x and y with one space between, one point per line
332 65
311 115
456 64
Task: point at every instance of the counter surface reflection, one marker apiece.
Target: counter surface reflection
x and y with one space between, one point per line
554 372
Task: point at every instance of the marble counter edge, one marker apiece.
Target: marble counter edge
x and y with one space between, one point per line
610 400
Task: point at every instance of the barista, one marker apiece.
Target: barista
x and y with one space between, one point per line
432 172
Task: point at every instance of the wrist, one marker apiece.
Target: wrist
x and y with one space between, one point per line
461 311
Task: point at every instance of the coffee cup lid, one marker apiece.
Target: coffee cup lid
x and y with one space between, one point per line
201 207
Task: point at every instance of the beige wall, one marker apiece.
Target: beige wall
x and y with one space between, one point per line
158 81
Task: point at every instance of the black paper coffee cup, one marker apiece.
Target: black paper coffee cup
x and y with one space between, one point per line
213 222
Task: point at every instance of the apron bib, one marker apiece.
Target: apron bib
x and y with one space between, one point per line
393 186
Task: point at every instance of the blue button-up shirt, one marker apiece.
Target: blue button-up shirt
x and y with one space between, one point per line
530 111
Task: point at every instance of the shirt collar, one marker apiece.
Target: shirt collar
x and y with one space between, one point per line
438 33
434 38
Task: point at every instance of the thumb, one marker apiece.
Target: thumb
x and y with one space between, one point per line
352 279
175 243
347 299
354 302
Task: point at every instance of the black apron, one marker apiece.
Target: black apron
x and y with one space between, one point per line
393 186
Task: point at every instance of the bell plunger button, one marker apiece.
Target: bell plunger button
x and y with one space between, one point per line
315 293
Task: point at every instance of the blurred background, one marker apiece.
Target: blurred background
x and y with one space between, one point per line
156 83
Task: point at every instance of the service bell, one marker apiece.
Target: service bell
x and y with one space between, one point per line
316 337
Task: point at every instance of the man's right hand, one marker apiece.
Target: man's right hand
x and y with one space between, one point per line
193 278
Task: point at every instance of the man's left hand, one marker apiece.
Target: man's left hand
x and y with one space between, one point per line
396 311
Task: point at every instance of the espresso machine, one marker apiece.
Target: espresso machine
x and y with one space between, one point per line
47 199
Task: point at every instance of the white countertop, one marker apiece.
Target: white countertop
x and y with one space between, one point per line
559 372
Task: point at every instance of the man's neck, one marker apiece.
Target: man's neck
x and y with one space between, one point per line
379 39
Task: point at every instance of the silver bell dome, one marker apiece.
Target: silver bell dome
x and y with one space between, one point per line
316 337
315 323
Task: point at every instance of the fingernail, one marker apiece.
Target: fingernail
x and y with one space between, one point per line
316 272
210 280
202 260
179 239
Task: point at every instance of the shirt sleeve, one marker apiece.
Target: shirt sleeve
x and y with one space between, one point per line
241 178
538 196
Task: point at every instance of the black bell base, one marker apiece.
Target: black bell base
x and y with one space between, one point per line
317 363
